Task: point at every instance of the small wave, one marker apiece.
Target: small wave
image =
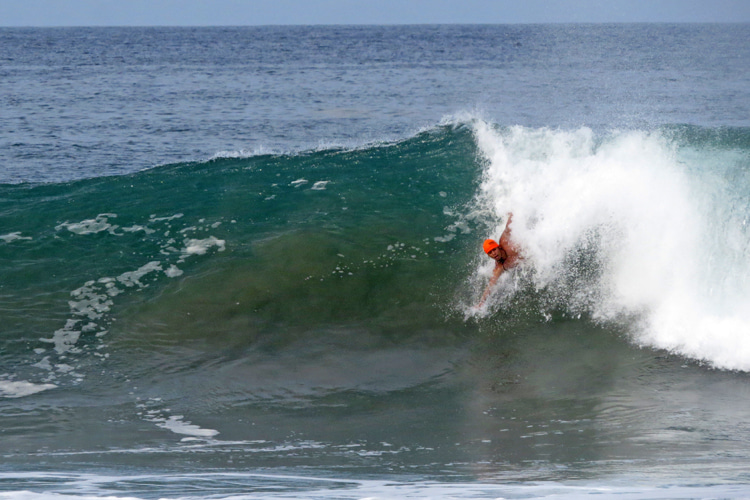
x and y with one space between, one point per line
247 485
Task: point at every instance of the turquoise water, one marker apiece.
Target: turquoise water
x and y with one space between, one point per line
232 288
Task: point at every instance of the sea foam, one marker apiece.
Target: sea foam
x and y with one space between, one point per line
20 388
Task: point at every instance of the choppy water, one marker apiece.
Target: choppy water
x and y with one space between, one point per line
243 262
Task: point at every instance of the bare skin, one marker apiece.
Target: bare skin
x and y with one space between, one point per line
506 256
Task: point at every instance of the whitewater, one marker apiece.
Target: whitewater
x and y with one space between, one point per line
662 227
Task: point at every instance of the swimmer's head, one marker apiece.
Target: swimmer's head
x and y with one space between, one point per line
490 245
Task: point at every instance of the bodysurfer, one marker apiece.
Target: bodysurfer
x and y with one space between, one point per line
506 255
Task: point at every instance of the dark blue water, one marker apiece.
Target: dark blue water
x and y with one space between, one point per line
243 262
88 102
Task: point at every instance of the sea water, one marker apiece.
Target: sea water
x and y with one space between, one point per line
245 262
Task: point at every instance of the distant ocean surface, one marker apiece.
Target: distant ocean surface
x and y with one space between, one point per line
243 262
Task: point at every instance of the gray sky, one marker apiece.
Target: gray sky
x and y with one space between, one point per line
263 12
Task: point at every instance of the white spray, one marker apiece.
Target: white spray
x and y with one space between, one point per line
654 226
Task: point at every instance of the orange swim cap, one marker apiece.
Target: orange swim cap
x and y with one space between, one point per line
490 245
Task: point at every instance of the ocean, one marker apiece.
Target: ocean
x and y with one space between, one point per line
244 263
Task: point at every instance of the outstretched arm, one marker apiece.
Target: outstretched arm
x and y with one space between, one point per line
493 280
505 237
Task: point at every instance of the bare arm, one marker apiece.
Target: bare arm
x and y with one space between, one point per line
493 280
505 237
